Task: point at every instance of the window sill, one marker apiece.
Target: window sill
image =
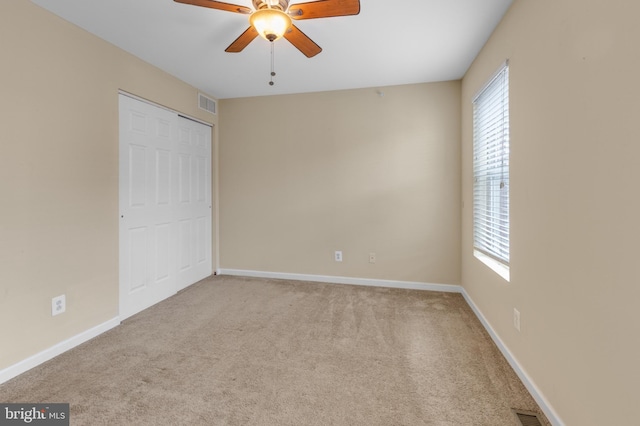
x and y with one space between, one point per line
497 267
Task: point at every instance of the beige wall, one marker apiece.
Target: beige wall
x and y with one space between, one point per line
575 211
59 173
304 175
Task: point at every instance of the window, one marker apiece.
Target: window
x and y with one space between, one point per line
491 172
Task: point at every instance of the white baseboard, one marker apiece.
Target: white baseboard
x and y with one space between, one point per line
546 408
55 350
410 285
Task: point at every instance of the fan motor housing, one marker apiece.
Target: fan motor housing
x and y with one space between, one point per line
276 4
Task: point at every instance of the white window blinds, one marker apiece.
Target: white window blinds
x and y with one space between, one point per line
491 168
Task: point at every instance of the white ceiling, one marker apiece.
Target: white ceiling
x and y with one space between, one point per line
388 43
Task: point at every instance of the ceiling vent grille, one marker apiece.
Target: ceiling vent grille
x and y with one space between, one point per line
527 418
207 104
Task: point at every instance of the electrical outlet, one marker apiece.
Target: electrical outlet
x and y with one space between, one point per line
338 256
58 305
516 319
372 258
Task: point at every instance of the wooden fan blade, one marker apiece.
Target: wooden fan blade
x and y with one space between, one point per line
243 41
212 4
324 9
303 43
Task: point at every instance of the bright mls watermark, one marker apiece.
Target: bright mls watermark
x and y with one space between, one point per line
34 414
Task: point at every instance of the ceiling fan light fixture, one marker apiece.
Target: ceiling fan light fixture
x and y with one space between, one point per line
271 24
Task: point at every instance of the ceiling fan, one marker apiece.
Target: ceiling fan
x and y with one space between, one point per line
271 19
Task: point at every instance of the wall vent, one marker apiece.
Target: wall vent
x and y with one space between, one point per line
207 104
527 418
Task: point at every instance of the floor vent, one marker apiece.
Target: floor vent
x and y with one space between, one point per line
207 104
527 418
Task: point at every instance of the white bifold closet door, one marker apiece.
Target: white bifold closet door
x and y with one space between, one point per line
165 204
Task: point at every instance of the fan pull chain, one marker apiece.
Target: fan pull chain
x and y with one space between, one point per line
273 73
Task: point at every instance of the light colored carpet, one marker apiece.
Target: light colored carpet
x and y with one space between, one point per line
244 351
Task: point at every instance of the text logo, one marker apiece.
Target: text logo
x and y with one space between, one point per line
34 414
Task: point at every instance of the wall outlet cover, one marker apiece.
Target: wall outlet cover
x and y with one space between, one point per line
58 305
